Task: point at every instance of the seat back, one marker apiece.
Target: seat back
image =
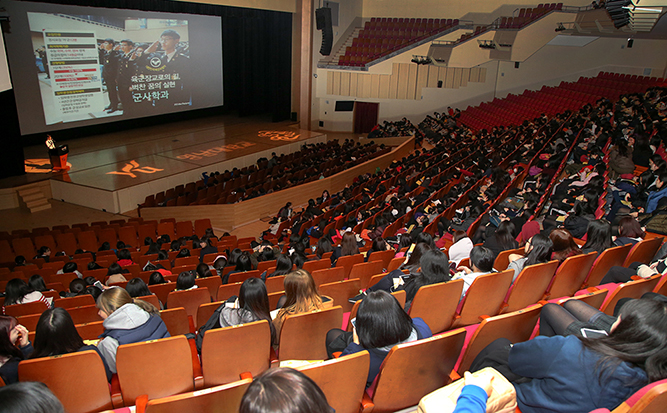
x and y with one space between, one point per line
341 292
226 291
301 337
530 286
348 261
484 297
90 331
176 320
189 299
35 307
242 276
632 289
395 263
228 352
503 259
84 314
328 275
643 251
205 311
152 299
384 256
71 302
650 399
77 379
219 399
434 358
157 368
162 290
364 271
398 295
571 274
607 259
342 380
516 327
211 283
441 296
275 284
322 264
594 299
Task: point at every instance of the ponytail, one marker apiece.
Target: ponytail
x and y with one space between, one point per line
146 306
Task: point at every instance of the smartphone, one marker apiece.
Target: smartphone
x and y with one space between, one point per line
590 333
99 285
354 322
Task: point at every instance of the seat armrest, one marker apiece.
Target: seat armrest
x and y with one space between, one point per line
116 395
140 403
367 405
197 374
245 375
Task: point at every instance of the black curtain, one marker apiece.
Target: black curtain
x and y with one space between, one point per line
257 50
11 152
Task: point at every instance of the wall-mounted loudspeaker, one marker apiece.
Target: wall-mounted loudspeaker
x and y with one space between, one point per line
323 21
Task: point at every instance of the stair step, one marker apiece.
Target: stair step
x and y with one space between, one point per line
32 197
37 202
40 208
29 191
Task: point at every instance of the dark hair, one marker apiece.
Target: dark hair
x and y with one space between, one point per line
171 33
105 246
29 397
233 256
15 290
36 282
426 238
254 298
55 334
378 244
7 348
598 235
185 280
381 321
266 254
136 287
505 235
413 262
630 227
323 246
348 245
459 235
152 249
183 253
124 254
42 250
77 286
243 262
640 339
156 278
541 250
90 280
482 258
69 267
114 268
284 390
203 271
283 266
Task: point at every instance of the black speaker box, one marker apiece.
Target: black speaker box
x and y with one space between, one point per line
323 21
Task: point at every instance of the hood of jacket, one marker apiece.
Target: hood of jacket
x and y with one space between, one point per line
127 317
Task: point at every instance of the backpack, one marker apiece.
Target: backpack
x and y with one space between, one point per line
213 322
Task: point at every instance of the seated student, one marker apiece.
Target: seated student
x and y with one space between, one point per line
378 245
126 320
36 282
29 397
70 267
598 237
124 257
564 245
323 246
629 232
14 347
115 274
76 287
284 390
301 296
481 261
348 246
283 267
20 261
567 374
243 264
206 248
136 287
503 239
44 253
183 253
156 278
186 281
538 249
18 291
203 271
252 305
380 324
461 247
56 334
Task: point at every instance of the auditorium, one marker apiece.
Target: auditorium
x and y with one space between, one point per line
350 206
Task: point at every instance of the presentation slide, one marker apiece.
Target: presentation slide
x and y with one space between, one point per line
83 65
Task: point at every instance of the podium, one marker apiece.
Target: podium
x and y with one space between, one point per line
58 157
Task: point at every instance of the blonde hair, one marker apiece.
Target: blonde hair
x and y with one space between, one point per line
301 293
115 297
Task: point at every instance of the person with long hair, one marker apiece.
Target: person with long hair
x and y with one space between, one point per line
380 324
283 266
301 296
564 245
378 245
348 246
36 282
573 373
56 334
14 347
252 305
18 291
629 232
598 236
503 239
243 264
434 268
538 249
29 397
126 320
284 390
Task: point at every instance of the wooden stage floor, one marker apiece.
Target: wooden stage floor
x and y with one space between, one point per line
116 171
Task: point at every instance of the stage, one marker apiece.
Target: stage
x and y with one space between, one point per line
115 172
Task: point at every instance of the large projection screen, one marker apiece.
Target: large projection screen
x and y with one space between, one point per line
76 66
